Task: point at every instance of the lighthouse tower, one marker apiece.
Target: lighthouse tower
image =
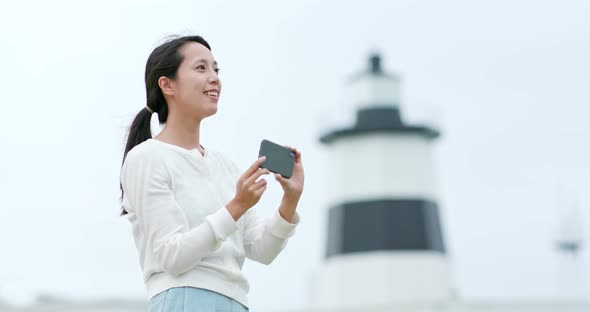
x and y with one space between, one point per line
384 242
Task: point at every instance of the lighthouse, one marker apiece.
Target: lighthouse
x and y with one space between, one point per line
384 242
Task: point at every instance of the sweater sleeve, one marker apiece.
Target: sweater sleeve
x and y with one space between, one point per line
176 247
264 237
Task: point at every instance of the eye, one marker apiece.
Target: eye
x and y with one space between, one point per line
216 70
200 67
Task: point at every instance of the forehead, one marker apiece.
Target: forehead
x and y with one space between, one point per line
194 51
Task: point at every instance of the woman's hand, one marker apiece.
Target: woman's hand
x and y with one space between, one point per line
293 187
248 190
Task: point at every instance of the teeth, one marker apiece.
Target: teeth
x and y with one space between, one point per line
212 93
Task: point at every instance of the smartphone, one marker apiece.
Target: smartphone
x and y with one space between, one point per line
279 159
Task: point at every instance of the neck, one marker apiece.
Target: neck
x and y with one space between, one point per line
181 131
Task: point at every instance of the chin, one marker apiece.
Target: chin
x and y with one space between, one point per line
211 112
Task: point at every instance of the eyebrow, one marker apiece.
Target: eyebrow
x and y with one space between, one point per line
204 61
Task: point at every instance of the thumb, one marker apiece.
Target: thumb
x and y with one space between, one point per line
280 178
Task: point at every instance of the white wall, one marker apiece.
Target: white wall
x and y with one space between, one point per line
379 165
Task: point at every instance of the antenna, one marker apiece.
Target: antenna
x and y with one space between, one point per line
570 278
570 233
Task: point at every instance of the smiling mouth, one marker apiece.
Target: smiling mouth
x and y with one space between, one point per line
213 94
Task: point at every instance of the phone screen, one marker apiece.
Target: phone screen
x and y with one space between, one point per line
279 159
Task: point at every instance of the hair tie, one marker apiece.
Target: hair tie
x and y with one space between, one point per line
149 109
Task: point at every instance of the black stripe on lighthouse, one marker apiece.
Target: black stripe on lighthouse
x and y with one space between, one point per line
391 224
379 119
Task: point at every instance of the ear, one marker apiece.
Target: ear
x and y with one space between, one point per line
166 85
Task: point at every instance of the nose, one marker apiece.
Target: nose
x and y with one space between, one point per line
214 78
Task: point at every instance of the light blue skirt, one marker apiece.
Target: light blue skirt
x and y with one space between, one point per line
181 299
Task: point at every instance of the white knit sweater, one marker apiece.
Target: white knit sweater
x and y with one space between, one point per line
175 199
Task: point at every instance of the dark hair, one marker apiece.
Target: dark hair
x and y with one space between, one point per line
162 62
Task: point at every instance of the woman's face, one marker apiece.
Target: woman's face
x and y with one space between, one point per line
197 86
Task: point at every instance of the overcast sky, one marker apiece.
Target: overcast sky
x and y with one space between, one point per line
507 82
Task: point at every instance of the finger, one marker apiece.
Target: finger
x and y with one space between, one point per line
254 166
296 151
280 178
290 147
259 192
259 184
298 157
257 175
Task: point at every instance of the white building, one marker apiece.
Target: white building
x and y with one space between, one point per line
385 249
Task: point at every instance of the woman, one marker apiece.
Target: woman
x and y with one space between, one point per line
189 206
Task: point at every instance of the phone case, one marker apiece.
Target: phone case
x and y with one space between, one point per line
279 159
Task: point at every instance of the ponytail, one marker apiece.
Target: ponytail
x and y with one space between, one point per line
139 131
